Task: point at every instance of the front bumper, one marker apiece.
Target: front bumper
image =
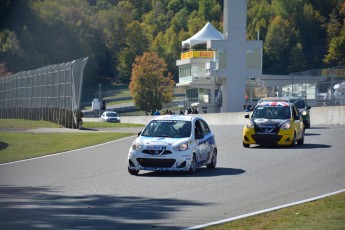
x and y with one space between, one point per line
180 161
283 137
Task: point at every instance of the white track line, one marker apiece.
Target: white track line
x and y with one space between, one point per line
263 211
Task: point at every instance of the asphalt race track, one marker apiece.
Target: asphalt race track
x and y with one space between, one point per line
91 189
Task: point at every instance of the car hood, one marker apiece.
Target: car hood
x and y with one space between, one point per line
269 122
166 141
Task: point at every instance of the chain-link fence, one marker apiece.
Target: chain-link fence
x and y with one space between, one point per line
51 93
320 87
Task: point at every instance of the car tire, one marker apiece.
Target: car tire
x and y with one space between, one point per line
246 145
213 163
294 140
133 171
192 167
301 140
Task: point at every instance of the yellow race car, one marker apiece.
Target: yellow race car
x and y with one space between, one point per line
274 123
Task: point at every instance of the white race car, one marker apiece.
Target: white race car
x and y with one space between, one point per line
173 143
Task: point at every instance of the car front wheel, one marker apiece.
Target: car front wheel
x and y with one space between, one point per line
293 140
301 140
133 171
192 167
213 163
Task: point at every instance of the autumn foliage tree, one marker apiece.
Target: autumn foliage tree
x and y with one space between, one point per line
149 87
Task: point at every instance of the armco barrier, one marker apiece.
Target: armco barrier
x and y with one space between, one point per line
332 115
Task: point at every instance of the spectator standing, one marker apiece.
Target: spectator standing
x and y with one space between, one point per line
156 113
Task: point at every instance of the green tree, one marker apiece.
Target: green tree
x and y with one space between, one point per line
297 61
149 87
135 44
336 50
9 45
277 45
336 36
259 16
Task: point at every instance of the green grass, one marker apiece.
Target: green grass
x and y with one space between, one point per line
21 124
93 125
21 145
326 213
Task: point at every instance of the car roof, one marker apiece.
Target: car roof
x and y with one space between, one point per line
175 117
273 103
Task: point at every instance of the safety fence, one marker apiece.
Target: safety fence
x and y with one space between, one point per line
50 93
320 87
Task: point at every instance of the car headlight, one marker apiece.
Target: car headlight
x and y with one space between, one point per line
304 113
249 125
286 126
181 147
136 146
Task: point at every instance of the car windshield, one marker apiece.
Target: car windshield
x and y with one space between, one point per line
170 128
272 112
112 114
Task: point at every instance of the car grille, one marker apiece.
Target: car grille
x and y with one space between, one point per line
267 129
156 163
266 138
157 152
266 134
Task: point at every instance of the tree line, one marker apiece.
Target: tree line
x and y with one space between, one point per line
297 34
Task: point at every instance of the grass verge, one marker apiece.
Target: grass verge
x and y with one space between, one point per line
21 124
19 145
326 213
94 125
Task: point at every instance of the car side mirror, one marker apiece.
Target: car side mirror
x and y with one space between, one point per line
139 133
246 116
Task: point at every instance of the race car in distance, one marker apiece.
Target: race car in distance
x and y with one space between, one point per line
303 108
173 143
110 116
273 123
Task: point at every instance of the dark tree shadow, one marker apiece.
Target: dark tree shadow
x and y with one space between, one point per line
3 145
42 208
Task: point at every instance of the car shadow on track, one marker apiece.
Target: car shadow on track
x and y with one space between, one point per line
304 146
316 127
200 172
312 134
312 146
